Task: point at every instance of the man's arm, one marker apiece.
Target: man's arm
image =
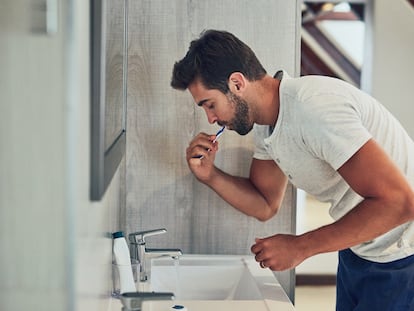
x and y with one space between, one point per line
259 196
388 199
388 202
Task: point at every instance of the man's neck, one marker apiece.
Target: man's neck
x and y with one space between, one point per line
267 101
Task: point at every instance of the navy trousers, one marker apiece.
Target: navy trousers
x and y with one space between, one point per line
364 285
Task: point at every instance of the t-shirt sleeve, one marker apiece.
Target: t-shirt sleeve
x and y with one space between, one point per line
260 133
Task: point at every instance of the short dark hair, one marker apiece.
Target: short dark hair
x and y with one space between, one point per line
213 58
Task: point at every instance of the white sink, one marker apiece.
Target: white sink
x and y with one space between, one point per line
213 277
213 282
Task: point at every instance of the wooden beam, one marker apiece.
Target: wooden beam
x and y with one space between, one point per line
312 64
348 67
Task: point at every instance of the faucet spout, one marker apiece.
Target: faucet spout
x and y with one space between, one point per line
150 253
161 252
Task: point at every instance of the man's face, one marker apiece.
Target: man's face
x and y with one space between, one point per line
227 110
241 121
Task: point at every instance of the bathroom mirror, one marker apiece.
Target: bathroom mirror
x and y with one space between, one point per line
108 91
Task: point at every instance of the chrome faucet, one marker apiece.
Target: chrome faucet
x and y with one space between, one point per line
140 252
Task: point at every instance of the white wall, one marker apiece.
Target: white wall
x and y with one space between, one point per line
393 58
56 248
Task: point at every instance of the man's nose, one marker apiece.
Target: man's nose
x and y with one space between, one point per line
211 117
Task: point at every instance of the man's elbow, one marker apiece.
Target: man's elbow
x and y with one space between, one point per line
403 201
267 214
408 204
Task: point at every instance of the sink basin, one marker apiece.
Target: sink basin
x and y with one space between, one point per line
213 277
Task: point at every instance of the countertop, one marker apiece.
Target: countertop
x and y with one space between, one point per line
209 305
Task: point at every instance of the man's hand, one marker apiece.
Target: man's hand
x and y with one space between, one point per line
278 252
201 153
259 195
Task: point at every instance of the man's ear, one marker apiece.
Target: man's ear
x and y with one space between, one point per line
237 82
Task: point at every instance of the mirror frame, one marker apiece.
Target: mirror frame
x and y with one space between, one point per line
104 160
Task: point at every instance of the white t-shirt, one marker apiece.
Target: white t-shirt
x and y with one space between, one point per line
322 122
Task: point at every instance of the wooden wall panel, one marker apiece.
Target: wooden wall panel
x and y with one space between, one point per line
160 189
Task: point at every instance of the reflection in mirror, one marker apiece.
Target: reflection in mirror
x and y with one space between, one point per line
114 72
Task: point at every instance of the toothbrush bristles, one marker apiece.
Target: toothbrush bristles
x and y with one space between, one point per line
219 133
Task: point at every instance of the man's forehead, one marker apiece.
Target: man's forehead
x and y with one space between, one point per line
200 93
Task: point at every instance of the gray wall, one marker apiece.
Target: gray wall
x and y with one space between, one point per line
160 190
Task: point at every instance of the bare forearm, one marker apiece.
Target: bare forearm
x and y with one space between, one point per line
370 219
241 193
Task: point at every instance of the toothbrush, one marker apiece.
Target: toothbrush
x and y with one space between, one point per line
218 134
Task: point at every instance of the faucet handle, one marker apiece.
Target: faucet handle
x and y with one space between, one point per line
139 237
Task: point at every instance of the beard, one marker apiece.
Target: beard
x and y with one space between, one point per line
241 122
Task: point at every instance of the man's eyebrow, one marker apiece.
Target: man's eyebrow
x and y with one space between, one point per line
202 102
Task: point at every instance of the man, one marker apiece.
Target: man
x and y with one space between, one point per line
326 137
